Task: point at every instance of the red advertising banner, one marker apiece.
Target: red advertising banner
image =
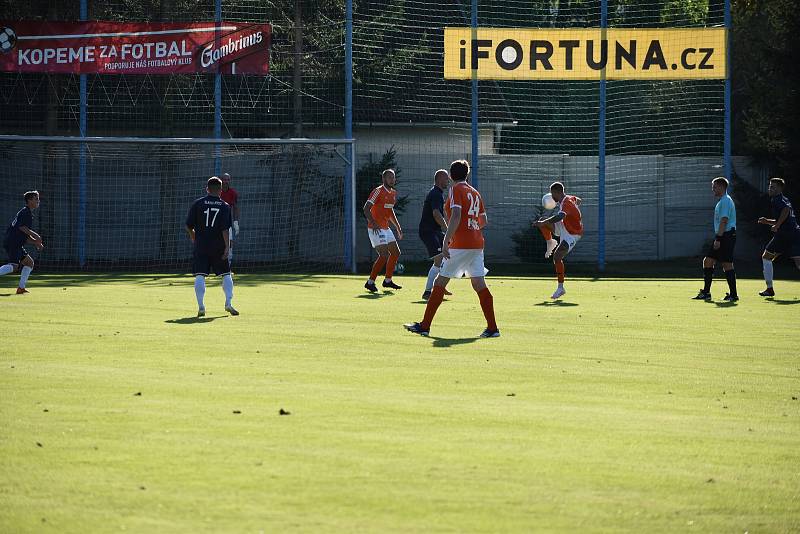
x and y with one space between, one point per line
134 48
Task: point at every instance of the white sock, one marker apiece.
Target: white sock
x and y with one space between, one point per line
7 268
767 271
432 274
227 287
200 289
23 278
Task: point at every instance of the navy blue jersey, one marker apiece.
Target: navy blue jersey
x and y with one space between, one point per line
789 226
209 216
14 236
434 201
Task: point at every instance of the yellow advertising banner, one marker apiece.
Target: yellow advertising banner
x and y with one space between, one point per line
585 54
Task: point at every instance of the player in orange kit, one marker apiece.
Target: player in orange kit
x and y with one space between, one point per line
566 224
462 251
379 211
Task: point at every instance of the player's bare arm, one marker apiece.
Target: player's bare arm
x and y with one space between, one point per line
483 220
551 220
368 214
190 233
236 218
439 218
396 224
452 224
777 223
723 223
33 237
226 238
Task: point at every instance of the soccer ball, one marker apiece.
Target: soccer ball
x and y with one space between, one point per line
548 202
399 268
7 40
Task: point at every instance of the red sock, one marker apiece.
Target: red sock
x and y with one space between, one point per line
377 266
546 233
436 298
560 271
390 265
487 305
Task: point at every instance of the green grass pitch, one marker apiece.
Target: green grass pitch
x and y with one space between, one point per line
628 407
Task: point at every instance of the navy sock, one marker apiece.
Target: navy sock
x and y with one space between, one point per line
708 275
731 276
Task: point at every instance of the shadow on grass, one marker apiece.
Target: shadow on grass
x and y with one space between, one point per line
726 304
194 320
782 302
558 303
449 342
373 296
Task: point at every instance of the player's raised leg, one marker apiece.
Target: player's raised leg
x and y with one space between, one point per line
547 233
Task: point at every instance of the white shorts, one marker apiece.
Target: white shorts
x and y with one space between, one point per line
382 237
464 262
566 237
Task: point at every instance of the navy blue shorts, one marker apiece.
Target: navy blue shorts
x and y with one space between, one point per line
786 244
433 241
205 264
15 255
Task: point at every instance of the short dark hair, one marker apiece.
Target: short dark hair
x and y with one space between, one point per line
557 186
778 181
720 180
459 170
214 184
30 194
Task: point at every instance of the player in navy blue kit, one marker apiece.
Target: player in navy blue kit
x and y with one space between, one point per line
786 240
207 225
17 235
432 226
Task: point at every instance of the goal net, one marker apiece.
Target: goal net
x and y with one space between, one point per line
122 203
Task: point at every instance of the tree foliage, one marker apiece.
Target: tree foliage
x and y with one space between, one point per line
766 77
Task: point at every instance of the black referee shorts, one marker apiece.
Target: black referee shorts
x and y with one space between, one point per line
725 251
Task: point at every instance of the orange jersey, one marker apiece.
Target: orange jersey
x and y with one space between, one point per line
572 215
382 208
468 234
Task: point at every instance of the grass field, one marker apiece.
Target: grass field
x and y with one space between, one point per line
627 407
